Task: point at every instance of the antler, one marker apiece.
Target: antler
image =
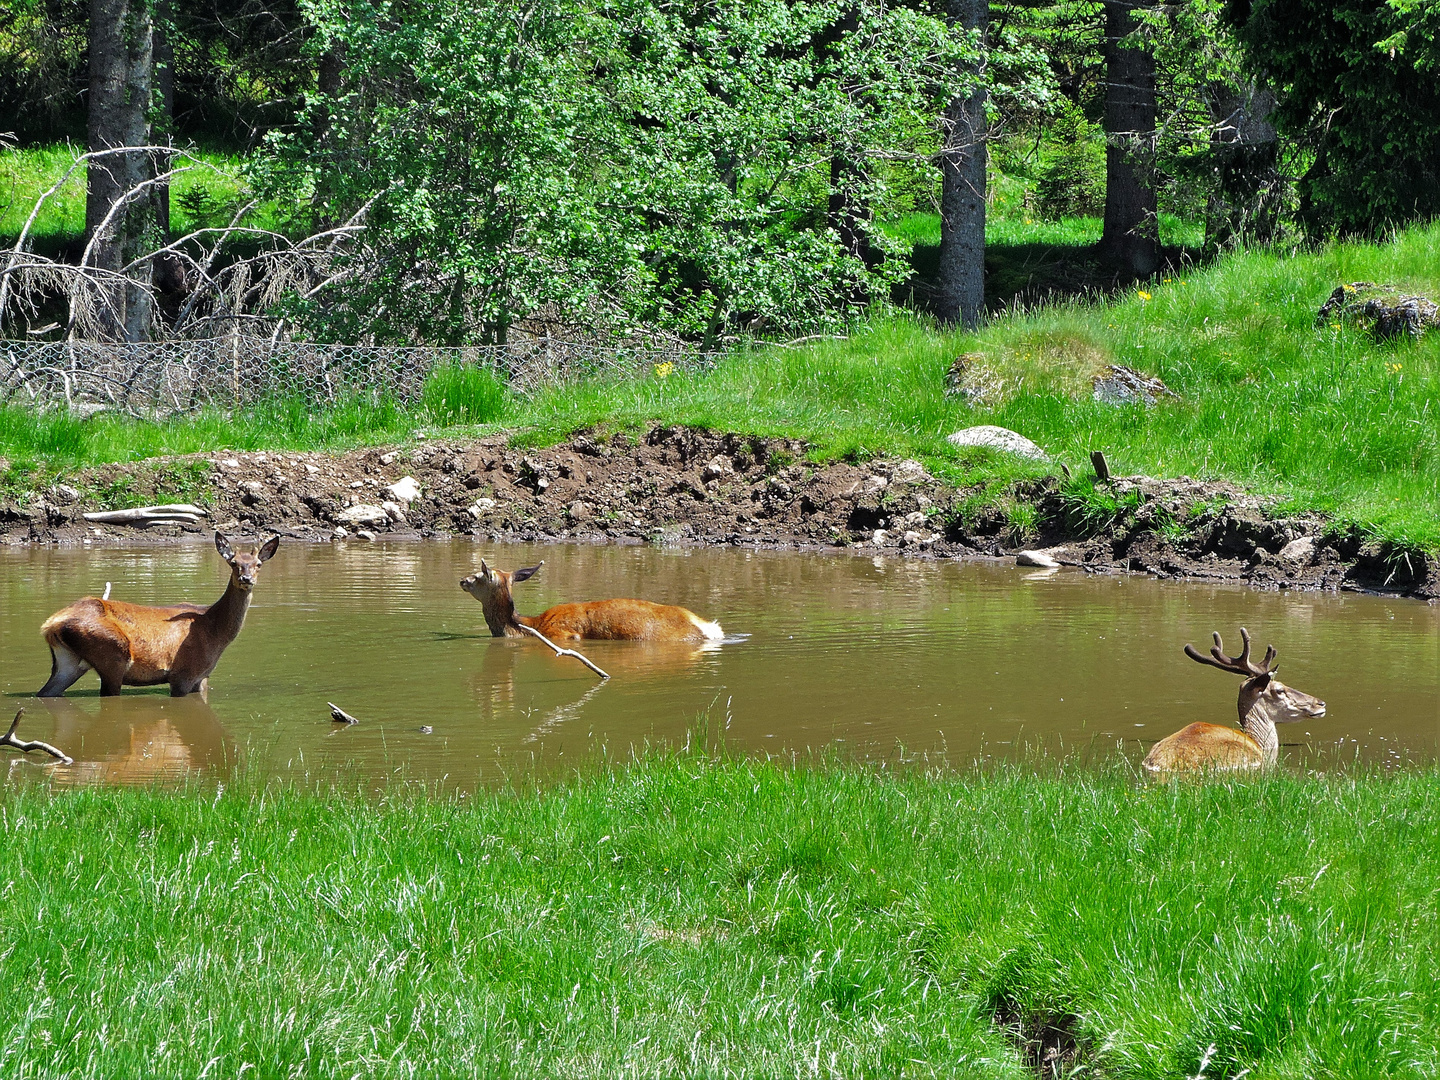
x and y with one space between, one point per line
1236 665
9 739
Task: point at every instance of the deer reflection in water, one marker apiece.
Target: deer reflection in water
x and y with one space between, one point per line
139 739
530 693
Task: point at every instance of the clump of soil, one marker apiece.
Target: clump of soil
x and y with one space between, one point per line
674 485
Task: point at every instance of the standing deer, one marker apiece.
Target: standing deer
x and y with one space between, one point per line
615 620
1264 702
135 645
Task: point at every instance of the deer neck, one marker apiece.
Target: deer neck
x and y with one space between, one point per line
500 617
1256 722
226 616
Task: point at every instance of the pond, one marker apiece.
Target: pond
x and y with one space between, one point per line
886 659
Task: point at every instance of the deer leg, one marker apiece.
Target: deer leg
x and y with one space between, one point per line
65 669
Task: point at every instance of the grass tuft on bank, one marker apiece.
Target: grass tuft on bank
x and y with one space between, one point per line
1324 419
697 916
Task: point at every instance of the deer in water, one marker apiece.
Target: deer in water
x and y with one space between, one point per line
1264 702
614 620
135 645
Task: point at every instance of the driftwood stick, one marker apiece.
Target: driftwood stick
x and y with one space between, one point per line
340 716
564 652
9 739
146 515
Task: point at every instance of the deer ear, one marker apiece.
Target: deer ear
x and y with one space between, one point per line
1257 683
527 573
223 547
268 549
484 569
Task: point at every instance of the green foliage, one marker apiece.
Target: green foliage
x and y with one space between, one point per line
464 394
1359 87
675 167
696 916
1071 179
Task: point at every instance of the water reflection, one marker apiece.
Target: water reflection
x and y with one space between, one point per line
138 738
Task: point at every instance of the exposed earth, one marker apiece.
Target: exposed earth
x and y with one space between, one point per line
684 486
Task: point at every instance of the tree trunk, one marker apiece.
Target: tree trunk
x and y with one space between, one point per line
121 68
1247 199
960 290
1131 239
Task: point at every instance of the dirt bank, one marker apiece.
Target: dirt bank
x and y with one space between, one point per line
683 486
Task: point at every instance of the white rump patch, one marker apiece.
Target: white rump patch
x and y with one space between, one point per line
709 630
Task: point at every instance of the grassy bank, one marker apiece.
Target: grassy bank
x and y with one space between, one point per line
684 916
1325 419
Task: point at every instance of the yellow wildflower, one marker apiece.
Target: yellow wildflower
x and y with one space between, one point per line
1143 295
662 371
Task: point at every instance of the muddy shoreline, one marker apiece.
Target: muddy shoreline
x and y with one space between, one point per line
673 485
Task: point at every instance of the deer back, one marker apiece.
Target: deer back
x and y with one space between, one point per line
622 620
1205 746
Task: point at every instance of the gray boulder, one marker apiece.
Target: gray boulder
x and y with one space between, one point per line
997 438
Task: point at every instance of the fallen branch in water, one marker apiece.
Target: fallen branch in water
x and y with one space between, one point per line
564 652
9 739
340 716
149 515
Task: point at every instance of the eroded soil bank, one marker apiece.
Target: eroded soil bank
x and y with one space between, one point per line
684 486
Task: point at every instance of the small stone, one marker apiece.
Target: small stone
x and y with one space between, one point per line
997 438
364 514
389 458
340 533
311 470
251 487
426 729
579 511
394 512
1299 550
718 468
356 484
1036 558
912 538
365 534
879 537
480 507
405 490
909 471
64 494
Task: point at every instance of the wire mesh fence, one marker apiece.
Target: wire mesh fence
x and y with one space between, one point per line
236 372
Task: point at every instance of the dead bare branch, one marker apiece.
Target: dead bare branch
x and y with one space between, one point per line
9 739
565 652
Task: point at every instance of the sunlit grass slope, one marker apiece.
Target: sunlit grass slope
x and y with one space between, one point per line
684 917
1325 418
200 197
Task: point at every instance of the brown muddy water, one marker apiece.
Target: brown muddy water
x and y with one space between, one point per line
887 659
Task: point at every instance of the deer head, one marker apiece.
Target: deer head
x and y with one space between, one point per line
1263 698
245 567
492 588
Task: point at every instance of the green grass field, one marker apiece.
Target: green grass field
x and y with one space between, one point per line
688 916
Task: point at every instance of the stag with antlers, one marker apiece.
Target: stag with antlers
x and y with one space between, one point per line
1264 702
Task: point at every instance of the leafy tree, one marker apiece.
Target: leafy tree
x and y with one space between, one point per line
666 166
1359 87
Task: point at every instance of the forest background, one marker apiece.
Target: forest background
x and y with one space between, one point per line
704 173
